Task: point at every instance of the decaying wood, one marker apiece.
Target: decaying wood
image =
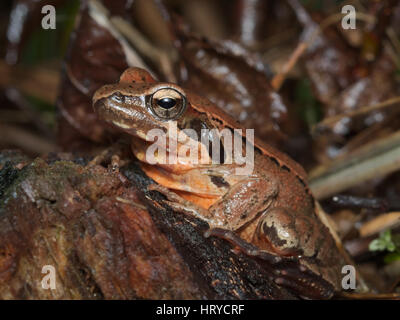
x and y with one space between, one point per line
109 238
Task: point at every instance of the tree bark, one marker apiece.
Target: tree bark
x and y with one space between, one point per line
108 237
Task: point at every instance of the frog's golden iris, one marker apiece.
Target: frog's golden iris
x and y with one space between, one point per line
167 104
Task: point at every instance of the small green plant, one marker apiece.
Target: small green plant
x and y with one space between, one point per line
387 242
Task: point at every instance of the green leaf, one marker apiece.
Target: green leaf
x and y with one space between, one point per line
385 242
386 236
377 245
390 246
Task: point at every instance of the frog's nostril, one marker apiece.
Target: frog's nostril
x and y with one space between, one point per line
166 103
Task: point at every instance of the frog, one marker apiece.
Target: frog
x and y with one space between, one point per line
268 213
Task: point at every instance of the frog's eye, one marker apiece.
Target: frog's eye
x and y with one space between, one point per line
167 103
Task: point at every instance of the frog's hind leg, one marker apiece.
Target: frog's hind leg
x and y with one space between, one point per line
277 231
303 282
285 271
243 246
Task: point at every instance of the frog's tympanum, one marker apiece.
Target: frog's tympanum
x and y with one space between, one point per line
271 208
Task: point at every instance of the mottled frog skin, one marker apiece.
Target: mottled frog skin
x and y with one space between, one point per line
271 208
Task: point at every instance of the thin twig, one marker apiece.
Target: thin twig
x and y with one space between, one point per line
102 16
393 38
394 46
376 159
278 79
369 296
15 136
360 111
41 81
15 96
156 55
380 223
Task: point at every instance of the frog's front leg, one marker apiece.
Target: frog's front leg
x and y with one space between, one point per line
242 203
177 203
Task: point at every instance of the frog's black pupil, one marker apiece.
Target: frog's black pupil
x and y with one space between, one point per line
166 103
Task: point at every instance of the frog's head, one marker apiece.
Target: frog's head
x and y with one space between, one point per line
139 107
143 108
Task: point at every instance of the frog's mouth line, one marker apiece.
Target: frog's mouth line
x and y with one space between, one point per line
121 125
116 117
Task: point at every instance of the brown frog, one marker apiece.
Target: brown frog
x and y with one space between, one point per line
267 212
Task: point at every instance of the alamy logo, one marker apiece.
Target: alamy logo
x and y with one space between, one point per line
186 148
49 20
349 20
49 280
349 280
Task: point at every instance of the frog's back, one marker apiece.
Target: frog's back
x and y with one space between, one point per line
216 114
293 191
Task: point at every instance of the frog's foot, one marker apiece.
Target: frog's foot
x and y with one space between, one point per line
286 271
111 156
100 158
303 282
177 203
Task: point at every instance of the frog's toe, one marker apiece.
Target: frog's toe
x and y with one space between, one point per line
304 283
